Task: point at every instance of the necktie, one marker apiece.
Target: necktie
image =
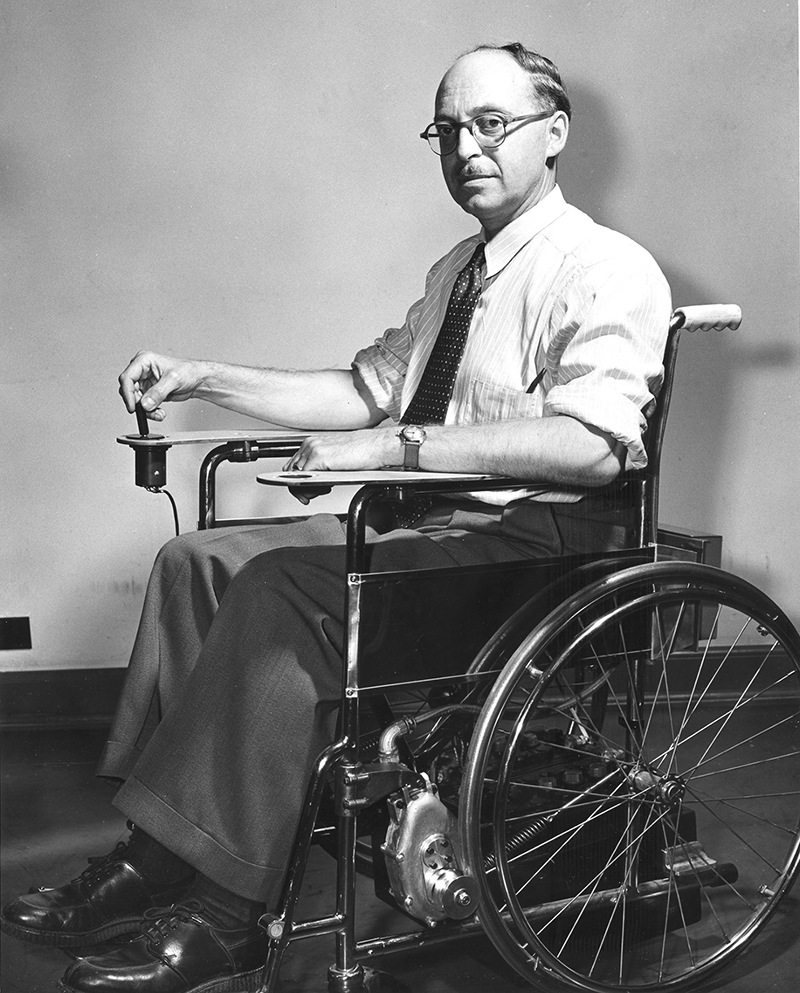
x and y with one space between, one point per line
432 397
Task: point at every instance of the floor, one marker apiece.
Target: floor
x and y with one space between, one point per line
55 814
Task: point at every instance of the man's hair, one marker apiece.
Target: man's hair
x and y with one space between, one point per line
546 79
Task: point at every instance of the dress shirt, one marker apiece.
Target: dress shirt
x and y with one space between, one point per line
580 308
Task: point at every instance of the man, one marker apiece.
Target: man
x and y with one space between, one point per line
534 351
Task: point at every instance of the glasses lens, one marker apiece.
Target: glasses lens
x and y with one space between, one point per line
442 138
489 130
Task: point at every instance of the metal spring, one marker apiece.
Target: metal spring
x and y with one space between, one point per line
513 845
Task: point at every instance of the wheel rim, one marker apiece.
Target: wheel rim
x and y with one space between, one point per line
616 809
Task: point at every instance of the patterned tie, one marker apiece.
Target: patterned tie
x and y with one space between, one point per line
432 397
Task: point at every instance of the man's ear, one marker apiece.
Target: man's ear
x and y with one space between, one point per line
557 133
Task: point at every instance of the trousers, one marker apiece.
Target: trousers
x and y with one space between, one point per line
235 676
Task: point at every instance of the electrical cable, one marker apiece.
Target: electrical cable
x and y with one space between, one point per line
158 489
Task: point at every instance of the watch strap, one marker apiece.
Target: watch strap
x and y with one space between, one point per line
411 454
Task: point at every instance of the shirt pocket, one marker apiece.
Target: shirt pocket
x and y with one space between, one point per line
493 402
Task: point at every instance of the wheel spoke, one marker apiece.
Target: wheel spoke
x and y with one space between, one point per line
694 775
709 903
754 815
737 834
693 694
729 717
756 697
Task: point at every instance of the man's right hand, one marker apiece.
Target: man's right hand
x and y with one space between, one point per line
151 379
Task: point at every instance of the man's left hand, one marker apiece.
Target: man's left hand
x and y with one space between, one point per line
339 451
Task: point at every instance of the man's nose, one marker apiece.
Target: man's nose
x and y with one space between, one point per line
467 146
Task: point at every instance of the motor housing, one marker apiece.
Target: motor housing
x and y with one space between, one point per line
423 857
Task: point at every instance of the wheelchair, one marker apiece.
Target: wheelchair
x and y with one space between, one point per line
572 756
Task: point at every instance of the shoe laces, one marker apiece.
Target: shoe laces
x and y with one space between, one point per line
99 862
158 922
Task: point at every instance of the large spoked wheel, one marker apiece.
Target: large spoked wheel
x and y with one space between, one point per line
631 801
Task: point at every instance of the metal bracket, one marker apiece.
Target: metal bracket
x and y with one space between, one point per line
360 786
688 860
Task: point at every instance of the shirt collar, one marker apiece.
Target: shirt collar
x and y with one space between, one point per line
516 235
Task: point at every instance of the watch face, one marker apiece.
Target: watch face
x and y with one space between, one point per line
413 432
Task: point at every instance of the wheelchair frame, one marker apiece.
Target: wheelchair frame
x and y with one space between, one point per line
610 600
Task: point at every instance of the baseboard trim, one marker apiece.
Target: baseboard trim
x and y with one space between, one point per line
59 698
87 698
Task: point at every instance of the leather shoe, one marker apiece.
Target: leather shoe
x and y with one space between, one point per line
178 951
107 900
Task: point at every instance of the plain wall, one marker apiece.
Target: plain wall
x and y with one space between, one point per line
244 181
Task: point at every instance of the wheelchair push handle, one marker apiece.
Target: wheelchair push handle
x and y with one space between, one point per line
708 317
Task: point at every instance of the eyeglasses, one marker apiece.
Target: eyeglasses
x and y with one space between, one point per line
489 130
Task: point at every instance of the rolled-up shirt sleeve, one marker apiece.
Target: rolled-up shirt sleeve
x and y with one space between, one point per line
383 366
604 356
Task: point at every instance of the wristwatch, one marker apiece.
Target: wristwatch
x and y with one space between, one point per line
412 436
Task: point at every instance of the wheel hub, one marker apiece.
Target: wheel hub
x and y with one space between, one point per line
668 789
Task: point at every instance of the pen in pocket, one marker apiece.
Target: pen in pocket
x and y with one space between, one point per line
536 382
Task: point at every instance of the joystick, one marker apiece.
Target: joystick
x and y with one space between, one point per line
150 461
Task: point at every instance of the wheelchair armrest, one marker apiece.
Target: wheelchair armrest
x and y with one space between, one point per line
263 437
247 445
375 491
392 484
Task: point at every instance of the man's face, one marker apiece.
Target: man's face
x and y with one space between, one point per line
497 184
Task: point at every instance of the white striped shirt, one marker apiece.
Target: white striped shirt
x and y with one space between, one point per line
562 296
